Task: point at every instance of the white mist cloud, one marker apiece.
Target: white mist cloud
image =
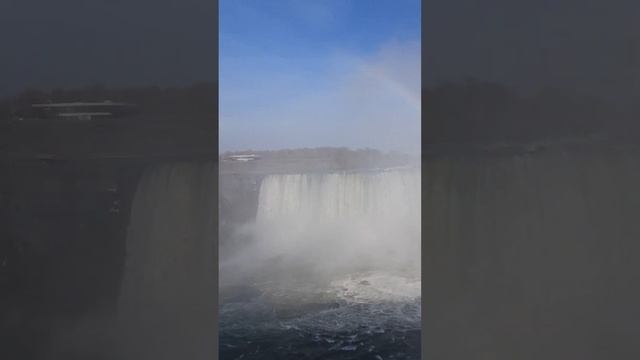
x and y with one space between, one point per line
330 225
354 101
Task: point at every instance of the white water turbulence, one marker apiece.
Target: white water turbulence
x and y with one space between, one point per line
331 254
338 223
343 221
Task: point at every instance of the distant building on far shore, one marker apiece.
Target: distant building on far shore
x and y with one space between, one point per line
77 111
243 158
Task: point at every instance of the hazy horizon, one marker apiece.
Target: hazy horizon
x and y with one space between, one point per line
240 150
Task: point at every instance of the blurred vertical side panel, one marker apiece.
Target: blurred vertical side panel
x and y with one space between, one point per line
108 173
530 168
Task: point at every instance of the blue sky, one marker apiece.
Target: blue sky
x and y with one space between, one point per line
309 73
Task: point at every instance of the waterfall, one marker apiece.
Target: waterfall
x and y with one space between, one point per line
339 221
168 295
342 195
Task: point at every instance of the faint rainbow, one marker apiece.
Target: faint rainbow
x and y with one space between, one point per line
397 87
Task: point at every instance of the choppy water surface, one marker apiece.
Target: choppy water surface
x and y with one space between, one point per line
359 316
